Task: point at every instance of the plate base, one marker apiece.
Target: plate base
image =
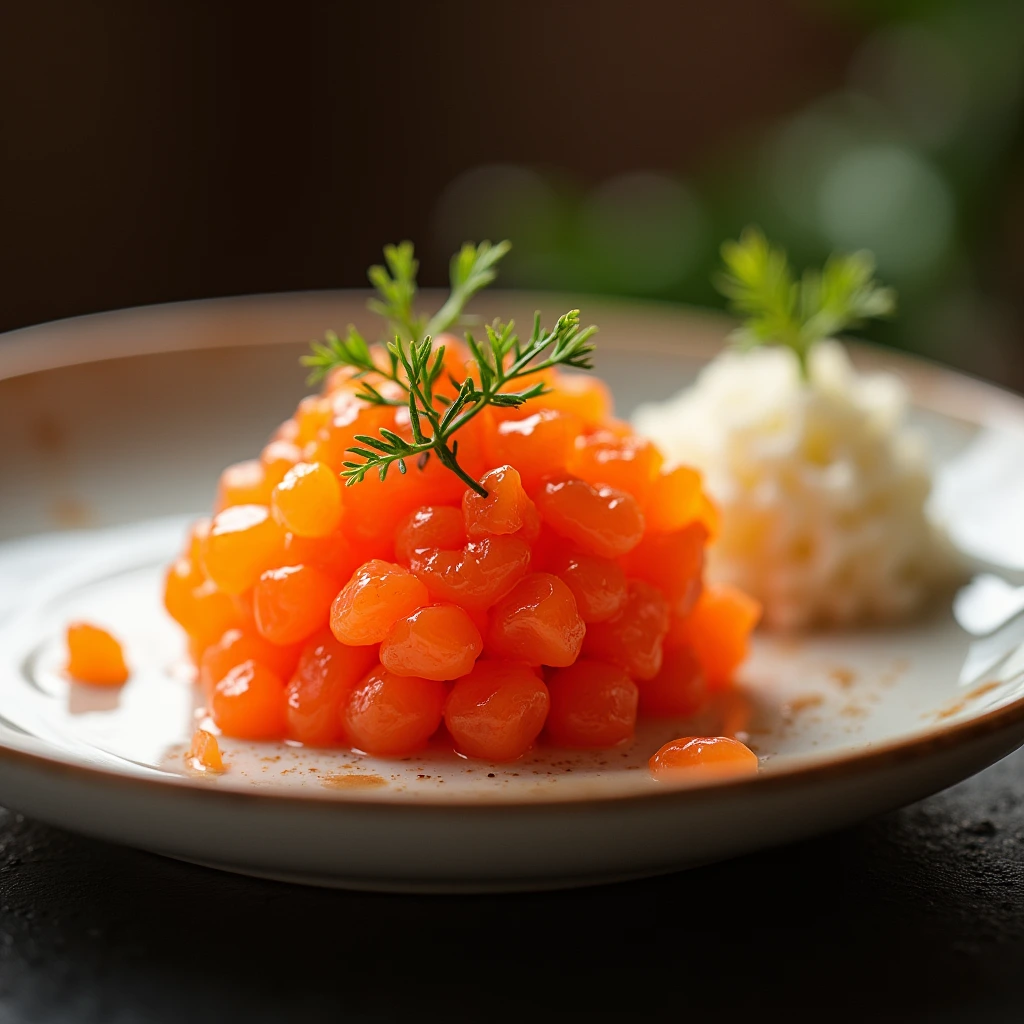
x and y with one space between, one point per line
434 887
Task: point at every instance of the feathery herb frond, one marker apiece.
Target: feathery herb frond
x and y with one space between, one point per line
474 267
396 285
415 363
780 310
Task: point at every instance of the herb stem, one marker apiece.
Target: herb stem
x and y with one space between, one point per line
459 423
447 457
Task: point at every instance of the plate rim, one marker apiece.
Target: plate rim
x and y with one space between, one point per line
931 386
870 759
934 386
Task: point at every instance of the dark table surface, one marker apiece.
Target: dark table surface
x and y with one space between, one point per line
918 916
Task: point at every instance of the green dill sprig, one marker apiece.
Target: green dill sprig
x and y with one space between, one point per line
414 364
435 419
781 310
396 284
472 268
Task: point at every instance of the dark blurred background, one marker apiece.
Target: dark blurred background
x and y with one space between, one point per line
162 151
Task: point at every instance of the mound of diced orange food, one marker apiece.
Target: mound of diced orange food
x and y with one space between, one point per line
557 607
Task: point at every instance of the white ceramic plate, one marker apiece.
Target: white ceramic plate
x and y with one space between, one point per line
115 428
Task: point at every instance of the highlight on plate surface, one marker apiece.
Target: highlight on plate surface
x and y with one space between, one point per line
455 541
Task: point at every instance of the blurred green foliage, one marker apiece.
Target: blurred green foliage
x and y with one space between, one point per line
914 157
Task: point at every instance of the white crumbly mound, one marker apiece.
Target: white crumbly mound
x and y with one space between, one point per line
821 484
